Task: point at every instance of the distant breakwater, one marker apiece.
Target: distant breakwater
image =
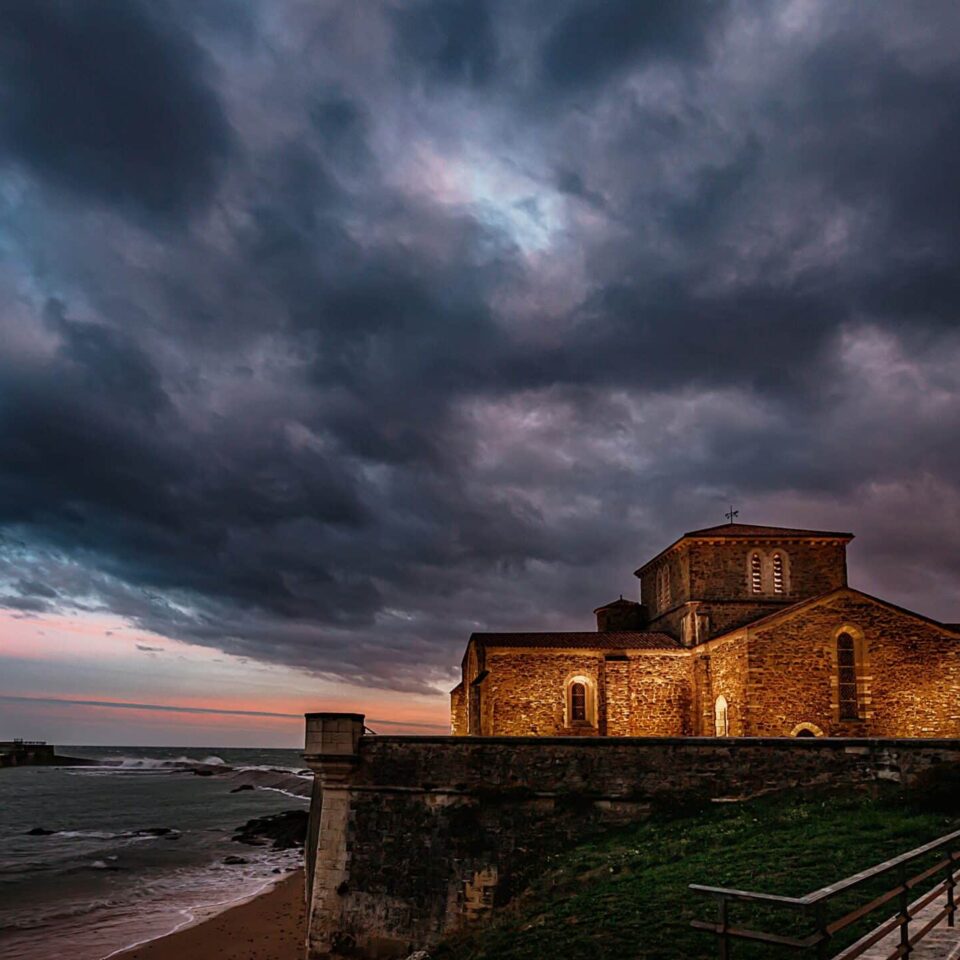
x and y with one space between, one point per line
21 754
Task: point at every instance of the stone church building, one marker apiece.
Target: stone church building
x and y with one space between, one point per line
741 630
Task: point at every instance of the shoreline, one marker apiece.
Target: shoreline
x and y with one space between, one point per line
268 925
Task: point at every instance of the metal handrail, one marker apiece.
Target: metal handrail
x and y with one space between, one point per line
816 902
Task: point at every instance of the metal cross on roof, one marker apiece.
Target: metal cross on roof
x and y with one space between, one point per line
732 515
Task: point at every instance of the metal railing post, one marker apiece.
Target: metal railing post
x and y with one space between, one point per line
905 947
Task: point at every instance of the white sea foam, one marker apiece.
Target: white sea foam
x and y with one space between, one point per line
192 915
286 793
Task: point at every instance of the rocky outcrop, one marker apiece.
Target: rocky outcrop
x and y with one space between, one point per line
287 830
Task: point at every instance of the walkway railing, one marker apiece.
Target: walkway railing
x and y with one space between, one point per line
812 912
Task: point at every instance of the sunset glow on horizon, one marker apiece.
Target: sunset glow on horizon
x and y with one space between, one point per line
61 675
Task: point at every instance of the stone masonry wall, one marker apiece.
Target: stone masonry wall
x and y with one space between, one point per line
724 674
524 692
458 711
718 570
910 683
618 700
425 834
661 687
649 694
677 566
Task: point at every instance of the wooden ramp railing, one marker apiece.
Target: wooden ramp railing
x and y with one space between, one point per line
812 913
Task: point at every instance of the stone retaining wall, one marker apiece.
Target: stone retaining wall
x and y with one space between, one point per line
416 836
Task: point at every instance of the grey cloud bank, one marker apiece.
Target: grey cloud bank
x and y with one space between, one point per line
335 331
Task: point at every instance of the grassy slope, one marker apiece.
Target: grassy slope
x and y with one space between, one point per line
626 895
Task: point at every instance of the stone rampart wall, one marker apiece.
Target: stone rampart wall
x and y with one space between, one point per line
419 835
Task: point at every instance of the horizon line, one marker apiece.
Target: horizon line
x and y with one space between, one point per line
167 708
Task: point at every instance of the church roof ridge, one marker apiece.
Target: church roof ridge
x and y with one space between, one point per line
734 530
622 602
604 640
836 591
748 531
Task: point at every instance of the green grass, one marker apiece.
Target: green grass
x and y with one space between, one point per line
625 895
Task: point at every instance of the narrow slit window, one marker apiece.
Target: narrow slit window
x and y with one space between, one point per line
756 574
778 586
578 702
847 677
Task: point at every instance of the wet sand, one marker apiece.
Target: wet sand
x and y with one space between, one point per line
269 927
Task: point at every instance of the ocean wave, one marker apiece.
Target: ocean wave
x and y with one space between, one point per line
148 833
291 784
302 772
156 763
41 918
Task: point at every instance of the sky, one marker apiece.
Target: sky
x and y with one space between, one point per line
331 332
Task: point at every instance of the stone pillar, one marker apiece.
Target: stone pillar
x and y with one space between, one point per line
617 685
332 752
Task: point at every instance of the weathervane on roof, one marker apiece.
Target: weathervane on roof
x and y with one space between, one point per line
732 515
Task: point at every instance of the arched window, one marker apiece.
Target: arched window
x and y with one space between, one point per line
578 703
721 715
756 574
779 585
847 677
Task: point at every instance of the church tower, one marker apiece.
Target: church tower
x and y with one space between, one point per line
713 580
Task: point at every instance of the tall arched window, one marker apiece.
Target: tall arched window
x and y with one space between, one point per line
778 581
663 587
578 703
847 677
721 716
756 574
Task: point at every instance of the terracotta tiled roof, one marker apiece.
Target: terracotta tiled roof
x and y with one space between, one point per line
749 530
618 603
612 640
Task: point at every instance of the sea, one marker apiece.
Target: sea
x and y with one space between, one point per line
135 848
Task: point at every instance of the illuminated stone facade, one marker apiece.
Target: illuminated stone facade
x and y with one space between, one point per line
740 630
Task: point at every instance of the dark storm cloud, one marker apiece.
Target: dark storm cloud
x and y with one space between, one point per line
453 349
110 100
452 41
596 38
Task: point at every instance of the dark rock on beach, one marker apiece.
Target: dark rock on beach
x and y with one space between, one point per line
242 787
40 832
286 830
235 861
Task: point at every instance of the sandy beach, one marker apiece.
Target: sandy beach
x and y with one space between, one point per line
268 927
